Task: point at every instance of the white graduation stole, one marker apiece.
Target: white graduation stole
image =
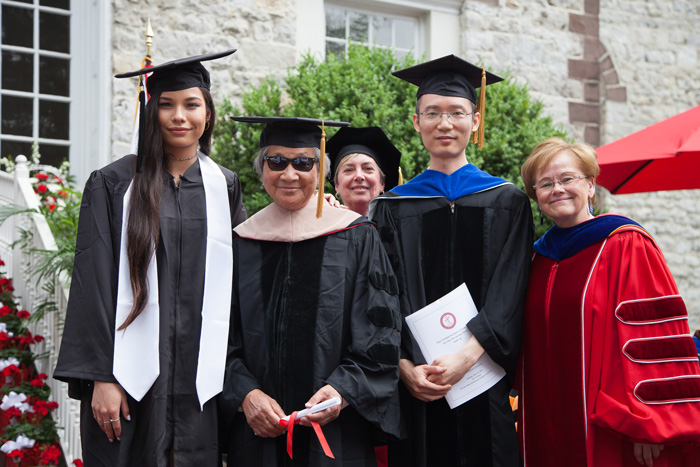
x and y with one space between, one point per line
136 358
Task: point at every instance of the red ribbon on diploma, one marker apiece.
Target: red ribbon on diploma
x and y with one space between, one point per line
289 424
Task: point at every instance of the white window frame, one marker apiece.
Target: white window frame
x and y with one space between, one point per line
90 84
439 23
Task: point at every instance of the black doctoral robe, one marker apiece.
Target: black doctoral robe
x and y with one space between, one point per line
307 313
168 416
483 239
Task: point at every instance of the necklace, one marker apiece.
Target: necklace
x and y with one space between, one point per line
183 158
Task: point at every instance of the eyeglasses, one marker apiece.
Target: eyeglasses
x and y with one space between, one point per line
279 163
433 116
548 185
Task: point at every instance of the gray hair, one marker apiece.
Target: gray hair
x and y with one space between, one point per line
259 161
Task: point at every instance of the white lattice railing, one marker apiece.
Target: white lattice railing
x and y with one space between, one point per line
17 189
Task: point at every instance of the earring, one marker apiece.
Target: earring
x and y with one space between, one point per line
590 205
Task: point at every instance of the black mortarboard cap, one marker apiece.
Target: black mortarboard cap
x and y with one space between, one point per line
296 132
290 132
176 75
447 76
371 141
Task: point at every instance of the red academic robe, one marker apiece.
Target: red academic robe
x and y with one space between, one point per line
607 359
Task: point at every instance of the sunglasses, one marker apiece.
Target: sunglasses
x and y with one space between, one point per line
279 163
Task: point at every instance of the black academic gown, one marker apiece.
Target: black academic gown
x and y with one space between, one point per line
168 417
484 240
306 314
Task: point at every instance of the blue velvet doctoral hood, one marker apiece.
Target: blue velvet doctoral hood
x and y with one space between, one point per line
465 181
560 243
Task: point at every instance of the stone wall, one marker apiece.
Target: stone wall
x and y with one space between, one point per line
656 49
263 31
605 69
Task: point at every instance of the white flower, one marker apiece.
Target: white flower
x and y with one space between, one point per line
21 442
12 400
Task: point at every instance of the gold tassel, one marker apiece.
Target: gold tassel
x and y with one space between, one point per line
482 107
321 173
400 176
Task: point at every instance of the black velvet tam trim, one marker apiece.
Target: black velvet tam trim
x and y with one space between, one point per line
668 348
383 316
384 353
385 282
675 390
652 310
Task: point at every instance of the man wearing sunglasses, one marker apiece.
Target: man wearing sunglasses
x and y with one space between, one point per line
450 225
314 316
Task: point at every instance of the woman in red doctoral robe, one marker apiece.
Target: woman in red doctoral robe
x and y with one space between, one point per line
608 371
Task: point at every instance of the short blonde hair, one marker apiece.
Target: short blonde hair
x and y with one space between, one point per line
347 158
543 154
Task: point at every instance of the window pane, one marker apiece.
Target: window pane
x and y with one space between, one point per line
16 116
53 76
54 32
17 26
52 154
53 120
335 48
381 30
359 26
335 23
405 34
17 71
15 148
63 4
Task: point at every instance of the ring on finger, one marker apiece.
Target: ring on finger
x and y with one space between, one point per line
105 422
115 420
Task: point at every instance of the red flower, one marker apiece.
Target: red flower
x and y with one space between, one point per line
17 454
4 337
36 382
24 314
52 207
41 407
41 177
38 338
13 412
2 263
41 188
42 376
57 180
78 463
52 405
10 369
5 310
63 194
51 455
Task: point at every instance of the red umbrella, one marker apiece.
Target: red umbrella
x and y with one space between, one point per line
663 156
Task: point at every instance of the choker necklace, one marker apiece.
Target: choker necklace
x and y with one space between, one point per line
183 158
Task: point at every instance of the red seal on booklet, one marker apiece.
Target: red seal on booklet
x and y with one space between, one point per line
448 320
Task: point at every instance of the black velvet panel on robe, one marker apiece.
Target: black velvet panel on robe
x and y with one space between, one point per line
300 320
168 420
485 241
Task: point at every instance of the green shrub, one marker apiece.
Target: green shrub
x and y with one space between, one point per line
360 89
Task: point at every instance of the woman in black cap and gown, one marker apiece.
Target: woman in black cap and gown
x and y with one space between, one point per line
144 342
314 316
364 163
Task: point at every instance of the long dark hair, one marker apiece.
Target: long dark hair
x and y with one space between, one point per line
143 230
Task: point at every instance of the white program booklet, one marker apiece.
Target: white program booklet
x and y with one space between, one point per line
440 328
